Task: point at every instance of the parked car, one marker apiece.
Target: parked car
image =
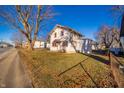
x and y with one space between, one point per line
117 51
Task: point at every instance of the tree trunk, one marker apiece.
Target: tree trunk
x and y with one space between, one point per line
72 43
30 46
109 55
73 46
35 38
33 42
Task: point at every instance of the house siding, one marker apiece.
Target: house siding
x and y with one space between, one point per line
66 36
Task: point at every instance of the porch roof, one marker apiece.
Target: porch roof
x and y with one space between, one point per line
57 41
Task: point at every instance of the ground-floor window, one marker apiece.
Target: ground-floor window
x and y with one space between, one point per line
54 44
65 43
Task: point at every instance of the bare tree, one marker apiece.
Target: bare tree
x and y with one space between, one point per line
18 39
107 35
27 19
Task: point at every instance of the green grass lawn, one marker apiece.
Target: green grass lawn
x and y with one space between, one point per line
121 59
45 66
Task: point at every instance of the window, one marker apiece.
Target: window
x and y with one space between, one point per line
62 33
65 44
54 44
55 35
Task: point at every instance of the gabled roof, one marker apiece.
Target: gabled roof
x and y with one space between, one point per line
66 28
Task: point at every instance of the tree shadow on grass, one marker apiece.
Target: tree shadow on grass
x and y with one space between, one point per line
100 59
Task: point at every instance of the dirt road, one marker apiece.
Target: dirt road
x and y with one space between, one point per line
12 72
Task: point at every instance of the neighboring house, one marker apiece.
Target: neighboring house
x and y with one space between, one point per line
47 45
94 45
4 44
86 45
18 45
116 48
101 46
39 44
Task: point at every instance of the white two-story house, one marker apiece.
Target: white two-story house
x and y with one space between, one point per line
65 39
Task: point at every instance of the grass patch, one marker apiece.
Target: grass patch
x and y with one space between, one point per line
121 59
45 67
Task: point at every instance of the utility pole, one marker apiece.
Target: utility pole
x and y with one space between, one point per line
122 32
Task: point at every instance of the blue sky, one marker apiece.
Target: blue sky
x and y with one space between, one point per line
85 19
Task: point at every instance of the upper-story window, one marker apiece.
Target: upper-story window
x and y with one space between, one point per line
55 35
62 33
